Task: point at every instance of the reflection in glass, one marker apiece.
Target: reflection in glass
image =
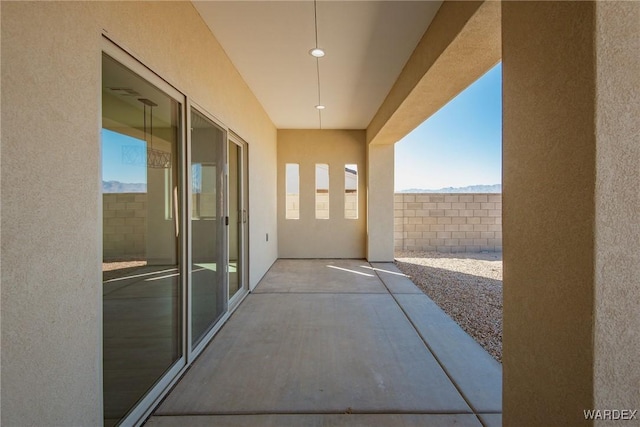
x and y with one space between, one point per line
141 269
292 177
235 217
208 296
351 191
322 191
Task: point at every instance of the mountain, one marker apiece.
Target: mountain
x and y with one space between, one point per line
123 187
494 188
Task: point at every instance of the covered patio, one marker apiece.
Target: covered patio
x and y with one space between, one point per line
313 344
337 342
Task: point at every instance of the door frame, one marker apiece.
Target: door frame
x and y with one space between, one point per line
243 235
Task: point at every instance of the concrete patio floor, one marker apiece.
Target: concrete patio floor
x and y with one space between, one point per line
337 343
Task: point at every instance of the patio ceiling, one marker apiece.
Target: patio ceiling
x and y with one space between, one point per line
367 44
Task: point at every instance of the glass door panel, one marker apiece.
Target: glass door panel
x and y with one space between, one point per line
235 218
238 216
208 293
141 251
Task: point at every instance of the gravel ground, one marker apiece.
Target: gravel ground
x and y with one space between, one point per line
468 287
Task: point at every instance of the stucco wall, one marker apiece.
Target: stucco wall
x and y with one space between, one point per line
308 237
549 154
448 222
617 239
51 194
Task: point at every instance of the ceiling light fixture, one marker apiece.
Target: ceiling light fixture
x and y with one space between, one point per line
317 53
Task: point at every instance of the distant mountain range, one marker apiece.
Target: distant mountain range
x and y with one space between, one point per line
123 187
494 188
128 187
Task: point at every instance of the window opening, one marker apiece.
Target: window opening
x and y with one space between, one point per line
351 191
322 191
292 177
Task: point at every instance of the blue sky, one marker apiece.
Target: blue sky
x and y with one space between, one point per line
459 145
121 158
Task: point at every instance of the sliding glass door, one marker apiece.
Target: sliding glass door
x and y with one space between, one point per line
208 224
142 269
174 234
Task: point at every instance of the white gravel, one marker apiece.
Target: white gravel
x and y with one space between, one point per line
467 286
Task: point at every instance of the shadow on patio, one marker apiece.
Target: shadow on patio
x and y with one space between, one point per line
340 343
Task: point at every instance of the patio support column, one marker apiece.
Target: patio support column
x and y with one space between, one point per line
549 150
570 210
380 181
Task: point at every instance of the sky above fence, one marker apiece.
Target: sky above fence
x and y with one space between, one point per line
460 145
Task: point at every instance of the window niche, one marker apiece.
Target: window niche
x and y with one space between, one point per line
322 191
292 177
351 191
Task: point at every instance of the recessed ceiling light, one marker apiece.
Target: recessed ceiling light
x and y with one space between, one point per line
320 107
317 52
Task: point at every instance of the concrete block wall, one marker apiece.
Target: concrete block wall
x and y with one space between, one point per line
293 206
351 205
448 222
125 225
322 205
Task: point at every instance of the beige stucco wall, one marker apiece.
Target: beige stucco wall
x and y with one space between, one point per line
549 153
380 175
308 237
51 194
617 202
447 222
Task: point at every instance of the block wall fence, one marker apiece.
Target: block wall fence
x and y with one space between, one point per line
422 222
448 222
125 225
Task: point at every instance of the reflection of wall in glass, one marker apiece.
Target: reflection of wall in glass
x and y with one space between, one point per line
235 229
204 190
207 272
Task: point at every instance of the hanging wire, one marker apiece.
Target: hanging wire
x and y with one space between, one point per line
315 20
319 98
144 120
155 158
151 126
